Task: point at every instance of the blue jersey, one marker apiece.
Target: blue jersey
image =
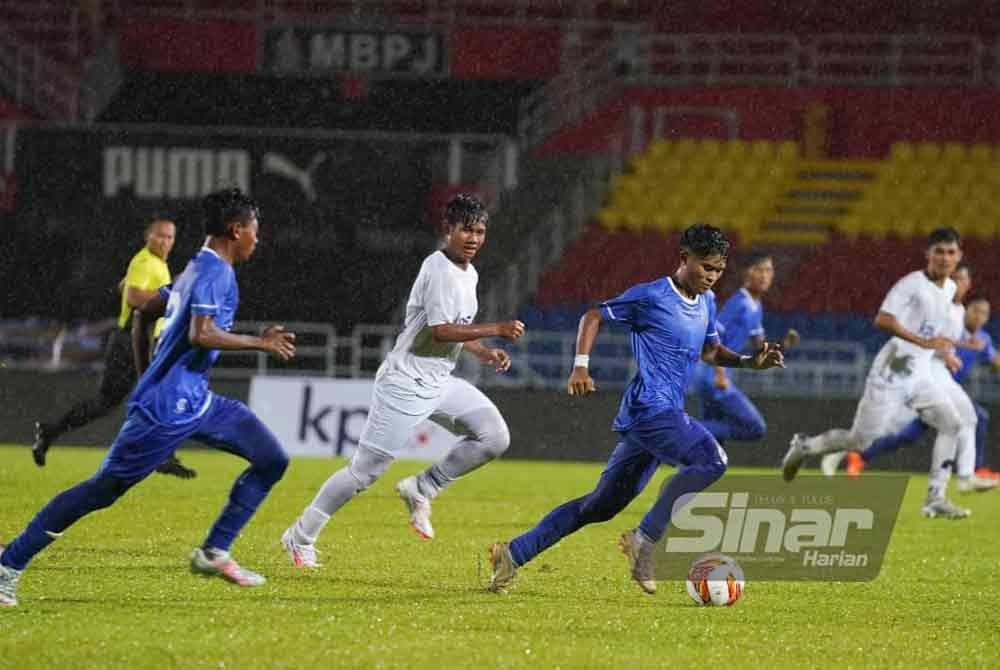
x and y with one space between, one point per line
669 332
970 358
174 389
741 318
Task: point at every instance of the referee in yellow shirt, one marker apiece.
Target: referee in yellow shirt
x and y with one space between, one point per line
147 272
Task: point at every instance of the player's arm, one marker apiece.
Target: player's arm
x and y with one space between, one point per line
498 358
456 332
206 334
580 381
888 323
768 356
137 297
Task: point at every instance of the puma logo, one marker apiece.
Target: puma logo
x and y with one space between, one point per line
282 166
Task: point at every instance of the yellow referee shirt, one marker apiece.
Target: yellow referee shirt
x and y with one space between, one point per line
148 272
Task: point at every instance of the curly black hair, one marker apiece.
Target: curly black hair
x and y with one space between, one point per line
704 240
225 207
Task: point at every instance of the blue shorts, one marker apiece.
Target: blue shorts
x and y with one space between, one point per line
143 444
671 437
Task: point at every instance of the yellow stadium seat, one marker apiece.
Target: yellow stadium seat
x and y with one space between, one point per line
981 153
954 152
902 152
788 151
928 152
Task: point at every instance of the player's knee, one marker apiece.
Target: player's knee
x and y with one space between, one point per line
270 459
106 489
595 508
755 428
496 437
711 460
367 466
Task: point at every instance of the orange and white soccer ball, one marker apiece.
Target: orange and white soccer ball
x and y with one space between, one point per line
715 579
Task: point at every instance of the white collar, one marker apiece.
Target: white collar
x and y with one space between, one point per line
211 251
690 301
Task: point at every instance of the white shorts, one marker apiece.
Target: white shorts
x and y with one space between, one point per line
397 410
885 409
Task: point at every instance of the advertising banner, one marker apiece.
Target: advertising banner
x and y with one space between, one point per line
317 416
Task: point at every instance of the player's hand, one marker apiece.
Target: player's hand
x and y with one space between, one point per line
279 343
769 356
721 379
580 382
510 330
942 345
791 339
974 343
952 362
498 358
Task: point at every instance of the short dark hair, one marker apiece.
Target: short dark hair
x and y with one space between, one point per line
945 235
464 209
978 298
755 258
226 206
704 240
155 219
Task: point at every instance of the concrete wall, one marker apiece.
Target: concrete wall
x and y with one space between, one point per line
544 424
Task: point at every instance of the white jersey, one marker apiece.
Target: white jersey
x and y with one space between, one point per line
923 308
442 293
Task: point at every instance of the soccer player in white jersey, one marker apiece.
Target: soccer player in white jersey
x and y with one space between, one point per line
946 370
415 383
917 313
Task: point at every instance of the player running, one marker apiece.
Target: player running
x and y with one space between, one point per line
672 321
726 411
950 371
917 313
415 383
172 403
147 272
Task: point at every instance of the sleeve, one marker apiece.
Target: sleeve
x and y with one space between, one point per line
438 295
989 351
164 291
756 323
146 274
712 331
208 294
629 308
899 295
731 314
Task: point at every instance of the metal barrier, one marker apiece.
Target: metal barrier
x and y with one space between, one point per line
709 60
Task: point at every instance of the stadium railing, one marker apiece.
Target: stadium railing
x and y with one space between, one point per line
542 360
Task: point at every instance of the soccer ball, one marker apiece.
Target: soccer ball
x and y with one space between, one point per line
715 579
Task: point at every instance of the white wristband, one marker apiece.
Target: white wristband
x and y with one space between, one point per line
744 360
581 361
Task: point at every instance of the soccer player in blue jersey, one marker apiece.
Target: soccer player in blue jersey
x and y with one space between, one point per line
726 411
172 403
973 347
672 322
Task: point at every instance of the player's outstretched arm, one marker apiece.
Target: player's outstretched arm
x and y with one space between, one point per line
580 382
275 340
456 332
497 358
888 323
768 356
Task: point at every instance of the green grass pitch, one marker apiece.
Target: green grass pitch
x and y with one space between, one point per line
115 591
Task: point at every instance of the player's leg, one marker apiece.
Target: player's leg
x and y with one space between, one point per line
681 441
392 417
625 476
117 380
907 435
229 425
965 455
138 448
876 405
982 423
713 414
465 411
937 410
743 420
